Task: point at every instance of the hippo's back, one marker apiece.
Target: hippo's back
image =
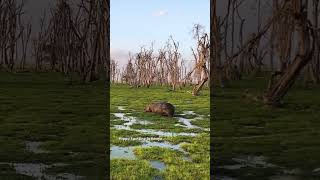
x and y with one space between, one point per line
164 108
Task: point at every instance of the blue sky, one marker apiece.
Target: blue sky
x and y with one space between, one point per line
134 23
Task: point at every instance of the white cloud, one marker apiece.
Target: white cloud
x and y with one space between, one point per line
160 13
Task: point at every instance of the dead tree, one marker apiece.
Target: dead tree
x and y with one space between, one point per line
215 74
25 38
201 57
10 32
306 34
172 62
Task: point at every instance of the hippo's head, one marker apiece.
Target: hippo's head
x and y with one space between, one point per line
147 109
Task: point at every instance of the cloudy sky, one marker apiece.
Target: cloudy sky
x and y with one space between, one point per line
134 23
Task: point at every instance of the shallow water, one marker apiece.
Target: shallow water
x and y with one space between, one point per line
285 177
162 144
127 152
121 108
37 170
162 133
260 162
158 165
34 147
130 120
186 123
233 167
316 170
190 112
154 132
122 152
253 161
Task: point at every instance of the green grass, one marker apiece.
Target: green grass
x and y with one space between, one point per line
177 167
122 169
67 118
288 136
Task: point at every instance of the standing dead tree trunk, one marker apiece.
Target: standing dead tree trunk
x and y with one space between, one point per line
202 58
215 75
313 69
25 38
278 90
10 32
172 62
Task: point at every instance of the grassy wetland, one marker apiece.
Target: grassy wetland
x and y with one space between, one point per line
267 75
255 141
50 128
156 145
52 92
147 146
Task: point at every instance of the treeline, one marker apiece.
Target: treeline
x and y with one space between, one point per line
14 33
165 67
284 44
73 38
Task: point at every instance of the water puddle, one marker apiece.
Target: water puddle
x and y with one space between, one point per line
158 165
164 134
186 123
293 171
121 108
130 120
189 113
133 120
285 177
162 144
37 170
233 167
187 158
127 152
317 170
34 147
260 162
122 152
253 161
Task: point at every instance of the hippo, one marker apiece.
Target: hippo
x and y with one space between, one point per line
162 108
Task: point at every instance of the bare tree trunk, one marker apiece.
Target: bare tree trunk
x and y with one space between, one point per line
277 91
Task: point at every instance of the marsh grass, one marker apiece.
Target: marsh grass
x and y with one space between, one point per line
122 169
67 118
287 136
177 167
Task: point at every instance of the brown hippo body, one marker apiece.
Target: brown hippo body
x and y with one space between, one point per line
162 108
